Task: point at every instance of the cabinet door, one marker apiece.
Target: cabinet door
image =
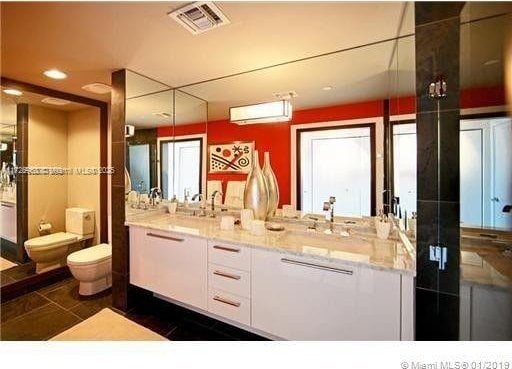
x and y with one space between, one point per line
169 264
300 298
181 267
143 257
8 221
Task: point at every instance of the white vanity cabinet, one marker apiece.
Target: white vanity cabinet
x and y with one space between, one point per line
8 221
300 298
485 313
171 265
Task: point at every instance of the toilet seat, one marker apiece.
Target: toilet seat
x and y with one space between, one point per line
50 241
90 255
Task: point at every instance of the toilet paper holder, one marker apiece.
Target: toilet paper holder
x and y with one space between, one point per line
44 228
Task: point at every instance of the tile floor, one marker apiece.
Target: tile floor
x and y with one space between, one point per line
51 310
17 273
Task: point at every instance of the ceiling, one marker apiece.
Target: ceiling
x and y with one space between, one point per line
90 40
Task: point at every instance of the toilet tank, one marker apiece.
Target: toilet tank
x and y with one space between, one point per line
80 221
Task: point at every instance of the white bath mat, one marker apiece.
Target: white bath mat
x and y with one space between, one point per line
108 326
6 264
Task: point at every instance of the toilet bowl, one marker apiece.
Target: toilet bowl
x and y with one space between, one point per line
92 267
50 251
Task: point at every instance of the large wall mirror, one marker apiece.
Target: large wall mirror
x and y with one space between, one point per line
331 143
8 151
485 129
166 148
52 152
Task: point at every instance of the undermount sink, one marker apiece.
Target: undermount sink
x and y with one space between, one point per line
184 220
320 240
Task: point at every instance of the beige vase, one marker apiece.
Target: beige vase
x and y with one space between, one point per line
272 186
256 193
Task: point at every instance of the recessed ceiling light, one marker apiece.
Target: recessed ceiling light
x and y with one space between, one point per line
12 91
55 74
491 62
55 101
97 88
327 88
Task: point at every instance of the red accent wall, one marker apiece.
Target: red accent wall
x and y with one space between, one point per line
482 96
275 138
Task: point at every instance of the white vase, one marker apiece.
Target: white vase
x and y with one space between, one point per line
272 186
256 192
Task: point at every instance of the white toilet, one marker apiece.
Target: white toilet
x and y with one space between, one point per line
50 252
93 268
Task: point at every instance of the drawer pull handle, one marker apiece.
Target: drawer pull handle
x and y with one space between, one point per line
226 275
7 205
225 301
225 248
165 237
316 266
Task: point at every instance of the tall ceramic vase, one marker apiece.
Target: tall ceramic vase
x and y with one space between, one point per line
256 193
272 186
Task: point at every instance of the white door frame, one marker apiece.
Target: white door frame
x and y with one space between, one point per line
204 147
379 147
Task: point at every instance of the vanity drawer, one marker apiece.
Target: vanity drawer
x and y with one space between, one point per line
229 306
229 280
229 255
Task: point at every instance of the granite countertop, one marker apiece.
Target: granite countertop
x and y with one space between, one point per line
486 263
360 248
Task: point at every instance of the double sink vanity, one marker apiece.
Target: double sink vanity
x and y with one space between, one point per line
293 284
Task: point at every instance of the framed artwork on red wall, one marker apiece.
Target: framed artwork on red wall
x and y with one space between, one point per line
231 157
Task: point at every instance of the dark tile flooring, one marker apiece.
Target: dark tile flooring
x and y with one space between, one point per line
51 310
17 273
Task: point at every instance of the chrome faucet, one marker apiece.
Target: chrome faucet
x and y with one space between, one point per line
186 194
214 194
329 206
153 194
314 226
199 196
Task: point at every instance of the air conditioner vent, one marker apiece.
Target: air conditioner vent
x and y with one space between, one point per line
199 17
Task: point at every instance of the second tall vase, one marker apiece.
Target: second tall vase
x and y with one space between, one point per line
272 186
256 192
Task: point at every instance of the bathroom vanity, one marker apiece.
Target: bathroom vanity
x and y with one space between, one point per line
485 286
8 219
292 285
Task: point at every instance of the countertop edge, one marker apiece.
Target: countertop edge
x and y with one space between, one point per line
277 249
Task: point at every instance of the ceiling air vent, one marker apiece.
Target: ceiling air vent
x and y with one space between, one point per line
199 17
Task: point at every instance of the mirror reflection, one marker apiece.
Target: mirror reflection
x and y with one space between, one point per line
485 131
8 229
166 155
63 195
332 105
